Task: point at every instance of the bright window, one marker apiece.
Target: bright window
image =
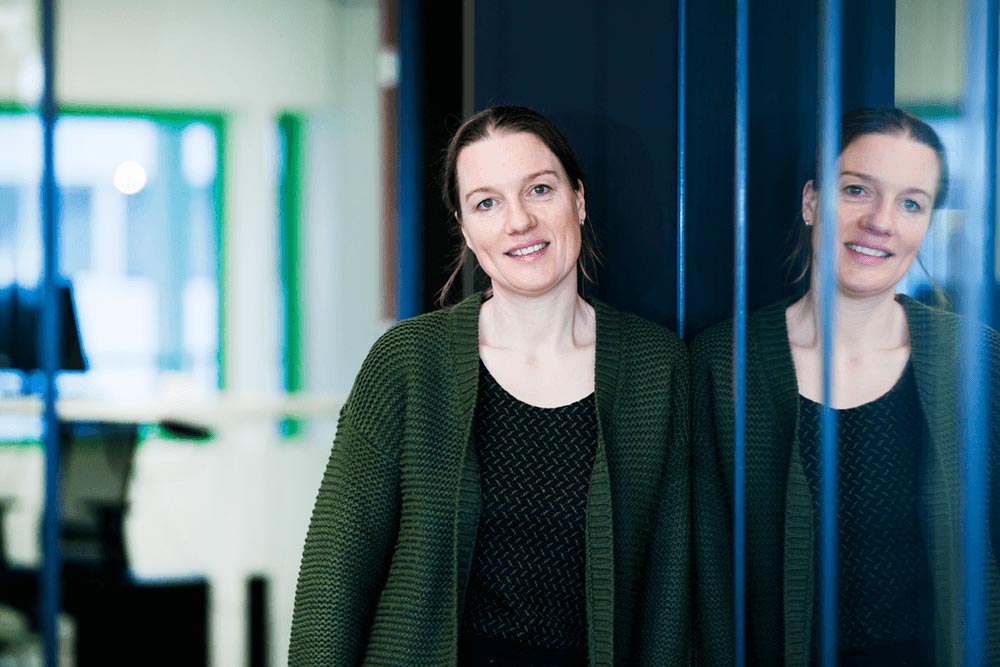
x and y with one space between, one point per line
139 240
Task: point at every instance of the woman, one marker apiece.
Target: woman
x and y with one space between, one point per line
502 468
895 378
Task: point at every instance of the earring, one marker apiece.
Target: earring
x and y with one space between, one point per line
581 222
807 221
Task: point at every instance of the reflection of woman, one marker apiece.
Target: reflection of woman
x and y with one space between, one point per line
895 382
499 468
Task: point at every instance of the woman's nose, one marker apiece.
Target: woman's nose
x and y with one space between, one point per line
519 219
879 220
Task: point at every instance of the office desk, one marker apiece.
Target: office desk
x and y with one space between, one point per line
225 510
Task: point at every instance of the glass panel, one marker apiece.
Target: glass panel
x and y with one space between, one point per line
929 83
138 244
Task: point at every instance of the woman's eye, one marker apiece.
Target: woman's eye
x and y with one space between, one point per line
854 190
912 206
486 204
540 189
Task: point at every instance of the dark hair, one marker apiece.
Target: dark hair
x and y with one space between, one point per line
863 122
510 120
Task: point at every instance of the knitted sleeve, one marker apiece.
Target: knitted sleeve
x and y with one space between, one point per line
712 520
663 634
353 527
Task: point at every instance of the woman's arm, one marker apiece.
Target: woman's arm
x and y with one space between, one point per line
354 522
347 553
712 521
664 629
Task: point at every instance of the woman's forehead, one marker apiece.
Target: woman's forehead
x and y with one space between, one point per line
504 158
895 159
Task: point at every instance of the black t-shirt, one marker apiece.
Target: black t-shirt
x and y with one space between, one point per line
526 597
885 606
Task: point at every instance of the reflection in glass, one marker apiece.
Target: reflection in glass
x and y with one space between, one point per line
138 243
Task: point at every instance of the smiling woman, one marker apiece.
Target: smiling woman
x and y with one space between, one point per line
509 481
538 140
887 187
895 376
523 215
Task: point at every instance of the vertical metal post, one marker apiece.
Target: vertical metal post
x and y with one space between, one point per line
739 333
829 140
468 108
977 247
409 287
681 148
49 344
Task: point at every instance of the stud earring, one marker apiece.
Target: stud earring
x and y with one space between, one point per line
807 221
581 222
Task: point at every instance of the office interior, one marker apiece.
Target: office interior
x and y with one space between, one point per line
249 198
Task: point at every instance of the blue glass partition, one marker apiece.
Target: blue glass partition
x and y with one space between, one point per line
829 143
978 242
739 330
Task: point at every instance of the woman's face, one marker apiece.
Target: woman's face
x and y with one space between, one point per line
886 196
520 214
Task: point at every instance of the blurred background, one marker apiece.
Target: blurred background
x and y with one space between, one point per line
249 196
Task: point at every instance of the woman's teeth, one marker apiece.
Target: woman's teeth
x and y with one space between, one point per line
527 251
871 252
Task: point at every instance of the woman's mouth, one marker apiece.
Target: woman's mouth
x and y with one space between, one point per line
527 251
868 252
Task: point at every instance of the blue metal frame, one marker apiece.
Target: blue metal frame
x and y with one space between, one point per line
681 148
50 589
977 248
739 330
409 281
829 141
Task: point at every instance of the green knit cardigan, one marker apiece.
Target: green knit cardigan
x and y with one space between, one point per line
389 548
780 534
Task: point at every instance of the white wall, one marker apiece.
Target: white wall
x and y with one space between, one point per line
239 505
930 51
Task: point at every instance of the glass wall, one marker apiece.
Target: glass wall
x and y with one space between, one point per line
219 243
140 222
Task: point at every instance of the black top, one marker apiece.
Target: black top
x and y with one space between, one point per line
525 603
884 610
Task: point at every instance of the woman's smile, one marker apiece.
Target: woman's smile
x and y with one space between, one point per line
868 254
528 251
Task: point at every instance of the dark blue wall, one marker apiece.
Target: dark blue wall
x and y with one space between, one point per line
606 74
589 68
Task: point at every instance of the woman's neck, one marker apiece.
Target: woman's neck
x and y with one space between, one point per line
862 323
557 320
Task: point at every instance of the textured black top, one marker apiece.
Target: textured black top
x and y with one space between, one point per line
884 609
527 586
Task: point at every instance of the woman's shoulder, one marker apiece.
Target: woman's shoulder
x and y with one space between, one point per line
411 360
412 334
639 334
426 336
716 342
940 327
418 346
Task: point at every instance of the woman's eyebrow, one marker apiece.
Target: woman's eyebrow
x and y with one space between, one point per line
544 172
871 179
468 195
858 174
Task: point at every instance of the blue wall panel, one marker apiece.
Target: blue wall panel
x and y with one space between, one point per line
607 74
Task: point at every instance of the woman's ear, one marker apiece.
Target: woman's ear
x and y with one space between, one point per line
465 235
810 201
